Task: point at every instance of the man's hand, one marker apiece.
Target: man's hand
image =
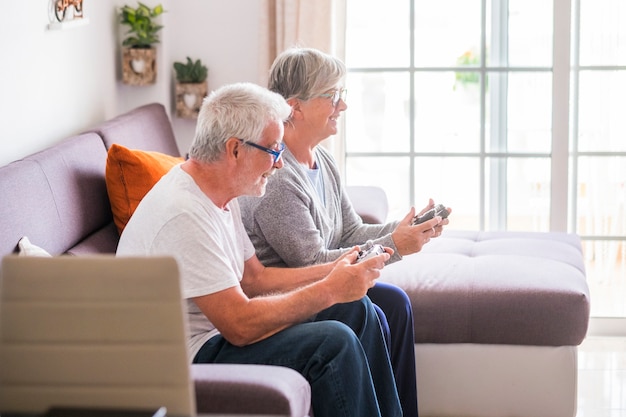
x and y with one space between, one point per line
350 281
350 255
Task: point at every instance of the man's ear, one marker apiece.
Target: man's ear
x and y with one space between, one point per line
233 147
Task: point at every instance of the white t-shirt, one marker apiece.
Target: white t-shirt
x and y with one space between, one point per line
210 244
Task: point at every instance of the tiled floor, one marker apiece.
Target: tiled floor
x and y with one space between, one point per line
602 377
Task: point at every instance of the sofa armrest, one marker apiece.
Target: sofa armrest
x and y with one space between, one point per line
250 389
370 202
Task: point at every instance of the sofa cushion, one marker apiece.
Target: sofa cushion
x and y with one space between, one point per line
518 288
103 240
26 248
235 389
56 197
130 174
147 127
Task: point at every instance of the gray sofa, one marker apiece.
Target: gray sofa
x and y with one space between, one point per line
58 199
498 316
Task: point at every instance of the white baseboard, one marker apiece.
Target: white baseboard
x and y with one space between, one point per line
607 326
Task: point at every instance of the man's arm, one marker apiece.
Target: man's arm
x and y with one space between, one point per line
243 320
259 279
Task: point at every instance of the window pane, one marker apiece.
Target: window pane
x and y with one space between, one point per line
530 112
602 32
447 113
377 33
601 180
530 33
377 119
601 196
387 173
605 264
602 111
528 194
445 30
459 190
519 112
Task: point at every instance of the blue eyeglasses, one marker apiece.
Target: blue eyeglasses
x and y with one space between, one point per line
275 153
336 96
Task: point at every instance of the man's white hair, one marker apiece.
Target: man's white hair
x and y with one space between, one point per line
241 110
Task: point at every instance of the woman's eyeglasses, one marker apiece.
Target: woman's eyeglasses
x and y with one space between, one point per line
336 96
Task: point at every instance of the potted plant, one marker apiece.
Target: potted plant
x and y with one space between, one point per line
138 53
191 87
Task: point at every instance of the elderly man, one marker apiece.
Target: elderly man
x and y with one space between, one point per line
316 320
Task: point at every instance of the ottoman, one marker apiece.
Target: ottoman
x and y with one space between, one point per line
498 318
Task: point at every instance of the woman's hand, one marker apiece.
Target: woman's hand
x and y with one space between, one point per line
410 238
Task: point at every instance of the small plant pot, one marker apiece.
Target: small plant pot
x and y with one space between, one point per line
189 98
139 66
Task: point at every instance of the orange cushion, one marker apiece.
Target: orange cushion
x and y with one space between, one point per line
130 174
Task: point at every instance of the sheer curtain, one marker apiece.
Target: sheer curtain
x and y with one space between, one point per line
317 24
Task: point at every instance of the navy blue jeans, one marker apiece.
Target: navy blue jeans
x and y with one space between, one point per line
341 352
397 323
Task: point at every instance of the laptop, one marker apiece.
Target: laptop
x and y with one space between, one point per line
93 332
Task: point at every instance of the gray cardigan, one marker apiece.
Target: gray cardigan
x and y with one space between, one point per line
290 226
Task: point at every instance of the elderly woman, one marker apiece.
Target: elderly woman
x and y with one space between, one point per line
305 216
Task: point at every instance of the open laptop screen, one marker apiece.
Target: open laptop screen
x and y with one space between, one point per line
95 331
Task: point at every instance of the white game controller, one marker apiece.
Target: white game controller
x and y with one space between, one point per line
368 253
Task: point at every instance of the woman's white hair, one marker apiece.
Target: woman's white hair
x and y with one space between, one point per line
305 73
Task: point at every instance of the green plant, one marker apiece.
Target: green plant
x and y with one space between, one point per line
143 30
190 72
471 59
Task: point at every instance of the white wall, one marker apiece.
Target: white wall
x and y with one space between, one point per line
54 84
223 34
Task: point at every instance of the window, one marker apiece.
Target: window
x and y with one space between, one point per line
500 110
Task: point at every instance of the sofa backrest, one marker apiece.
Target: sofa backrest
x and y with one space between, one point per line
56 197
147 128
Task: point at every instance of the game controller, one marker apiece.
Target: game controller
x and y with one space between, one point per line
368 253
438 210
